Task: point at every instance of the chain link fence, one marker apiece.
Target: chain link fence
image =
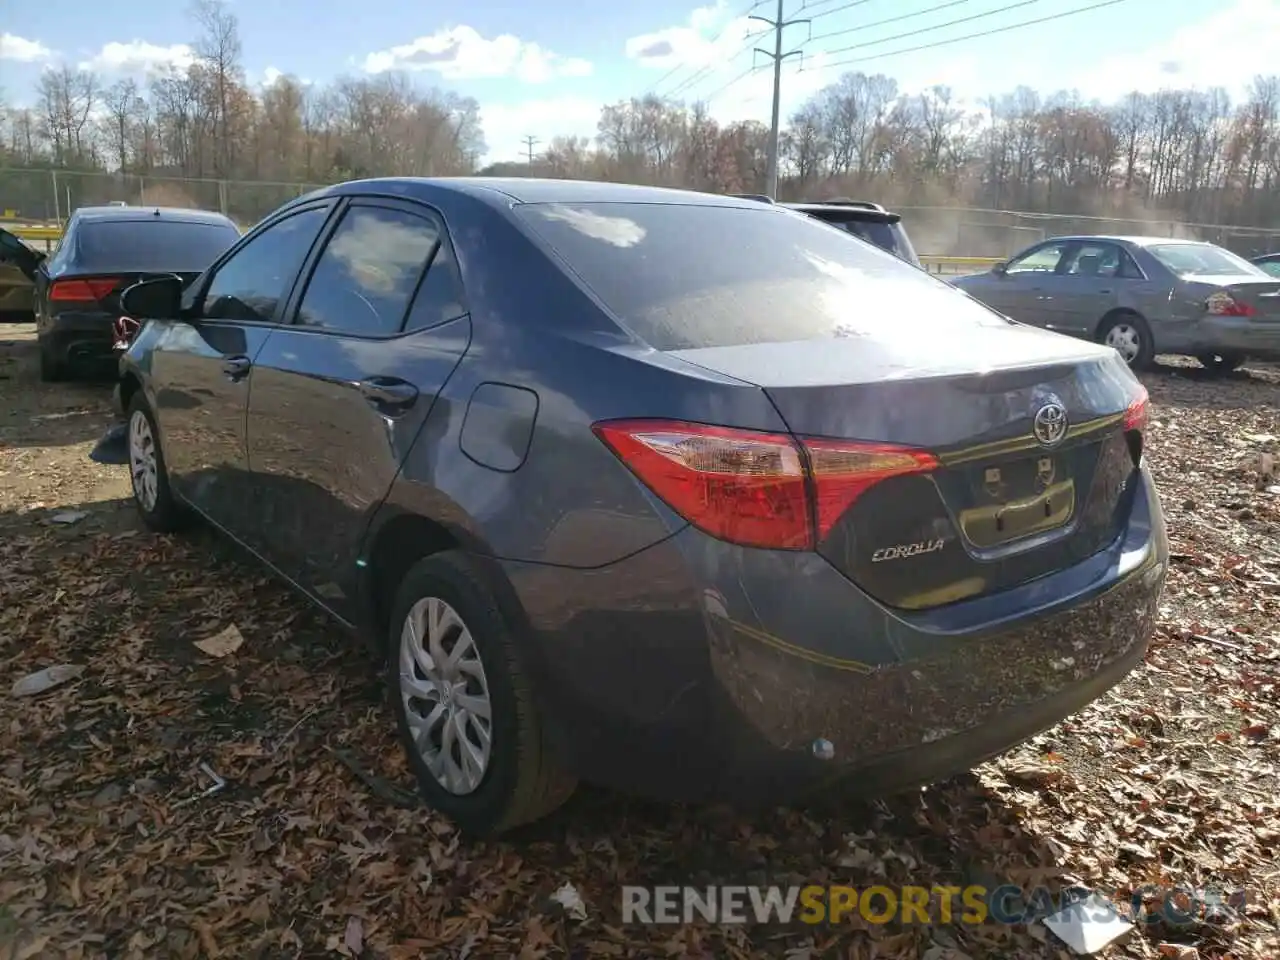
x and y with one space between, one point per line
47 197
969 232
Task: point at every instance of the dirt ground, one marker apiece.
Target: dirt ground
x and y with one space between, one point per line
109 849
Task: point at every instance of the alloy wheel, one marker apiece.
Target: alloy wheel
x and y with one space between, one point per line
1126 340
446 695
142 461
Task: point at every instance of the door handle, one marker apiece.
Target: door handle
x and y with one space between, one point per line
388 393
1104 291
236 368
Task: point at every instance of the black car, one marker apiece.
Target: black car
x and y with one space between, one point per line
646 487
1269 262
76 296
865 220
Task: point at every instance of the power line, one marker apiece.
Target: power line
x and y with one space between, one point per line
723 30
706 69
840 9
937 26
972 36
888 20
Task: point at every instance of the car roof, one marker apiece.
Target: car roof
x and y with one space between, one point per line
1137 241
505 190
178 214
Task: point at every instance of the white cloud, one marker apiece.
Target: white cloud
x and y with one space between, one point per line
271 75
507 124
461 53
709 37
13 47
139 56
1227 49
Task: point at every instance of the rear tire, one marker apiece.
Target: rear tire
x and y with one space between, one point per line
152 494
509 776
1130 336
1219 364
51 371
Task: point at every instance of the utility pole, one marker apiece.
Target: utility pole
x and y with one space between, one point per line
777 56
529 143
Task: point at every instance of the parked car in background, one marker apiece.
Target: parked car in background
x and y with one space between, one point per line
76 291
683 494
863 219
1142 296
18 263
1269 263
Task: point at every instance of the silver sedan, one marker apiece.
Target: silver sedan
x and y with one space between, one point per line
1142 296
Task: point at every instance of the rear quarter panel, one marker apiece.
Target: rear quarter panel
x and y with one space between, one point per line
570 502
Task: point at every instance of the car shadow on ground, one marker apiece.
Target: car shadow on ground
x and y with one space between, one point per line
295 721
51 414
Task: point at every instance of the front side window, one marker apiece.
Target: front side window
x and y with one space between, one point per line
253 281
684 276
1270 266
1040 260
1201 260
368 272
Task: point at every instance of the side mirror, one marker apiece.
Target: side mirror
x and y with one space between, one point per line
1000 268
157 299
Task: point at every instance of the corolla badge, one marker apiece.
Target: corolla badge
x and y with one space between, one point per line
1050 424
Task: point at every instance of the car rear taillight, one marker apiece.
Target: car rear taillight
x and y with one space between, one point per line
83 291
1223 304
755 489
1138 412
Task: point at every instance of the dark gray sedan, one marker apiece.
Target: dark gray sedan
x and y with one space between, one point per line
1141 295
683 494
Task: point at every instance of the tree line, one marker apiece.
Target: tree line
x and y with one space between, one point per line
1189 155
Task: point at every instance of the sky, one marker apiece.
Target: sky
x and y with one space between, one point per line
545 69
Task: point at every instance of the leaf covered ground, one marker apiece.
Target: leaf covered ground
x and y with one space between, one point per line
111 847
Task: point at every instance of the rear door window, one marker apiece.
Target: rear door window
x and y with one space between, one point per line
144 246
686 276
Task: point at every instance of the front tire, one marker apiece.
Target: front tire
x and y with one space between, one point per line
1130 336
152 494
463 703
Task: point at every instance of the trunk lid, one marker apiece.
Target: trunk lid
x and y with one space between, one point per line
1262 295
1019 492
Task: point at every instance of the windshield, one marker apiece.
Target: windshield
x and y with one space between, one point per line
687 276
886 236
1201 260
181 246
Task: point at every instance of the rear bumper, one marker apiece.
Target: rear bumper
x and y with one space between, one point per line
696 670
79 338
1259 339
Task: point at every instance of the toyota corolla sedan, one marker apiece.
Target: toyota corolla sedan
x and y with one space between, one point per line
676 493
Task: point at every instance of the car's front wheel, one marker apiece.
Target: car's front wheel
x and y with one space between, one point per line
1130 336
151 492
463 703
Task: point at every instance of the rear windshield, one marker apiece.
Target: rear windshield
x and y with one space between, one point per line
1201 259
684 276
886 236
150 245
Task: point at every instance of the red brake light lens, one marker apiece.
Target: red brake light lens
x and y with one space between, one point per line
1223 304
755 489
83 291
1138 412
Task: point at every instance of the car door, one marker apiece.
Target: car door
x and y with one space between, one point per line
1019 292
18 267
338 396
200 363
1094 278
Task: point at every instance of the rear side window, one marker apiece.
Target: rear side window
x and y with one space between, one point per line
152 245
685 276
1270 266
1201 259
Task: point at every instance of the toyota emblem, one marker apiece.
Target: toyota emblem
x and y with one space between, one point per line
1050 424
